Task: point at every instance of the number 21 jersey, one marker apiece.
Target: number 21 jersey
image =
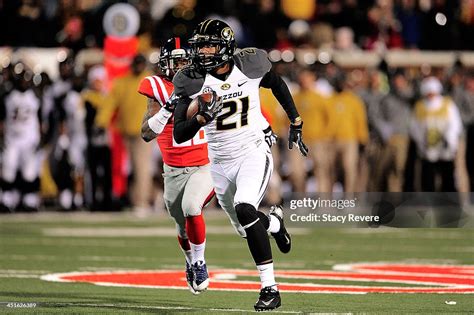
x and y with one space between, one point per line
238 127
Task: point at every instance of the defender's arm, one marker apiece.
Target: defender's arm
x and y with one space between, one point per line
154 120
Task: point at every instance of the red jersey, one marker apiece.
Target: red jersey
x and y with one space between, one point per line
190 153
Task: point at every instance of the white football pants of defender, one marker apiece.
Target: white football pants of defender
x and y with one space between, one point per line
21 156
187 190
244 180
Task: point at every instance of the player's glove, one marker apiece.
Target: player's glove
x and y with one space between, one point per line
170 105
270 137
210 108
296 136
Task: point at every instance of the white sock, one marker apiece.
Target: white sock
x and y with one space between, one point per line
188 254
198 251
274 225
267 277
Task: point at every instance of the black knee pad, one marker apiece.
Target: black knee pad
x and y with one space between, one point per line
246 213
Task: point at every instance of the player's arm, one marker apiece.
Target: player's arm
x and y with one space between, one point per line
154 120
273 81
184 129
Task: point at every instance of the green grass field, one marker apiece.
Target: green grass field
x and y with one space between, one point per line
34 245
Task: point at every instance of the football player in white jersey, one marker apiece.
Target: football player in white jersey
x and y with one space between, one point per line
241 160
22 137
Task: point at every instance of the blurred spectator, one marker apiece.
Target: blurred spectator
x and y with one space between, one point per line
436 127
344 39
20 126
262 21
299 10
466 25
322 35
393 127
28 14
372 93
72 35
315 109
69 149
63 116
350 133
179 20
98 106
384 29
410 21
145 32
470 129
340 13
457 91
130 109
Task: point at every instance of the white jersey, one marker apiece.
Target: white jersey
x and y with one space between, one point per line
239 127
22 119
75 126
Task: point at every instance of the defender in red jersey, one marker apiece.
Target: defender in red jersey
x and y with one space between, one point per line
187 180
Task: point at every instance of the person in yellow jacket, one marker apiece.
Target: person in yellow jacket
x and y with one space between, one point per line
313 108
349 133
130 110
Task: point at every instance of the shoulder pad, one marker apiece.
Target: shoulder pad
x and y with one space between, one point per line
253 62
145 87
188 81
154 87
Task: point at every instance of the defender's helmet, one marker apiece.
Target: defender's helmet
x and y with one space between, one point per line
213 33
173 56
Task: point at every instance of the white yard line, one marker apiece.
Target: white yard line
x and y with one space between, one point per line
169 308
18 271
75 258
9 275
139 231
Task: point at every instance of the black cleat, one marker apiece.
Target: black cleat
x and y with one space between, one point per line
282 237
268 300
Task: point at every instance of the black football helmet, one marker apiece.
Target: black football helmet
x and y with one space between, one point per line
174 55
212 33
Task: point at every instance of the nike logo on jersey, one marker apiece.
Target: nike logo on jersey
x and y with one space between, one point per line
240 84
268 302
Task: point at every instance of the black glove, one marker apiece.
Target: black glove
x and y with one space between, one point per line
210 109
170 105
270 137
296 136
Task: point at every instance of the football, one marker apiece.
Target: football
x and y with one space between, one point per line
193 107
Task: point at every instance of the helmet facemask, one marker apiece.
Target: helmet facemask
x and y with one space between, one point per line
172 62
218 35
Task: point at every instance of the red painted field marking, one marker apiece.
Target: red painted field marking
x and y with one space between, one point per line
428 278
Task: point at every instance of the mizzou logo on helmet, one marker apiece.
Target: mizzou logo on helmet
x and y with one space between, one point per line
227 33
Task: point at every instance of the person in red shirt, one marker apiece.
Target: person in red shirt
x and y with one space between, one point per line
187 181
